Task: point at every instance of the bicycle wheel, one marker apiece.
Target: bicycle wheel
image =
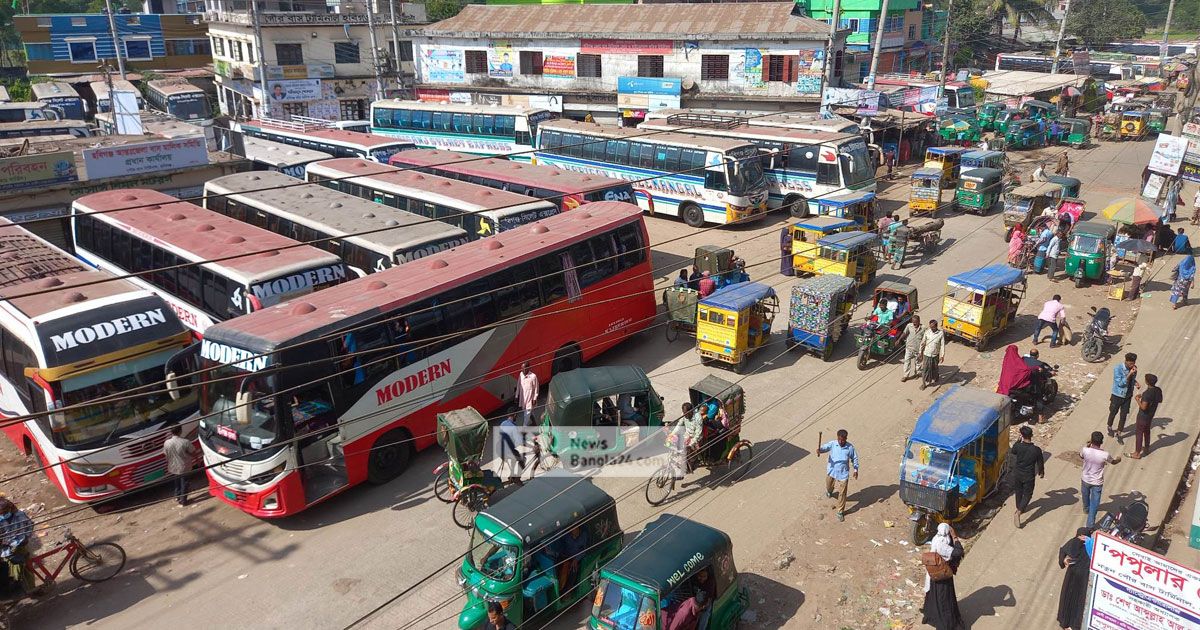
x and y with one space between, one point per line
98 562
470 502
660 485
441 487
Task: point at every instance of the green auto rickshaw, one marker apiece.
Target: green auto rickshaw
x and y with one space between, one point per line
978 190
1156 119
1005 119
1072 186
1076 132
595 412
659 573
1024 134
988 114
1040 109
1088 248
524 548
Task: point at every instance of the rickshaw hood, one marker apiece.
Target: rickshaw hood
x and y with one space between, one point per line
738 296
959 417
669 551
988 278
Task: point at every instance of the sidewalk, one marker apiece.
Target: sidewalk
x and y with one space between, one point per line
1010 578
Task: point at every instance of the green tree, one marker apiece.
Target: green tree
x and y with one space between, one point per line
438 10
969 31
1098 22
1016 12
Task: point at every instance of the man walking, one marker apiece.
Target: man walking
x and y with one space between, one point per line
913 335
837 470
1092 480
527 393
179 454
1124 382
1148 402
1027 461
1049 317
1052 250
933 352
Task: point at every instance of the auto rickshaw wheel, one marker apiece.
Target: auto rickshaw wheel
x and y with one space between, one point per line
740 366
981 344
672 331
739 460
1079 281
472 501
827 351
659 486
864 357
692 214
922 529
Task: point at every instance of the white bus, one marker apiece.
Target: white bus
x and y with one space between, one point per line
479 129
133 231
26 112
72 335
104 103
268 155
180 99
61 96
153 123
368 236
479 210
702 179
42 129
322 136
799 164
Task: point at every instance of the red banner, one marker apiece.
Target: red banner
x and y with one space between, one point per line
627 46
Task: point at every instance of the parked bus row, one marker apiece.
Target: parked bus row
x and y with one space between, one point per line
325 138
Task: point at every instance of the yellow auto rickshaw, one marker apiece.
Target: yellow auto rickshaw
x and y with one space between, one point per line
948 160
981 303
734 322
1134 125
926 193
808 232
850 254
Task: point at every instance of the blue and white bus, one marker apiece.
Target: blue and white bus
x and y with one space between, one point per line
479 129
62 96
701 179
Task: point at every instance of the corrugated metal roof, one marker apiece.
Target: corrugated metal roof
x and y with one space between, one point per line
1019 82
752 20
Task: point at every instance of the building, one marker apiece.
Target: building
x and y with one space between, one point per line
72 45
620 60
317 56
907 36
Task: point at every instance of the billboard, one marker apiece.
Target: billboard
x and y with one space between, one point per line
145 157
1132 587
648 93
35 171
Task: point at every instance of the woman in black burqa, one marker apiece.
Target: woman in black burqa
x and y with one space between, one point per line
1074 556
941 602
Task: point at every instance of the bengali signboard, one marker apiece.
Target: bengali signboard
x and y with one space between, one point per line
36 171
1135 588
1191 172
558 66
145 157
443 65
1168 154
294 90
305 71
648 93
500 59
865 102
626 46
1081 62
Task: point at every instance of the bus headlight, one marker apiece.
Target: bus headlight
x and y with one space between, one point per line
89 469
262 478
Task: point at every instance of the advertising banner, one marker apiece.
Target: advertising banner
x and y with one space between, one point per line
34 171
295 90
1132 587
1191 172
306 71
1168 154
626 46
558 66
648 93
500 58
752 66
146 157
443 65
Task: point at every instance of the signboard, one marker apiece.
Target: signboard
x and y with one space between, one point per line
306 71
1168 154
294 90
864 101
648 93
626 46
443 65
36 171
500 60
1191 172
1132 587
1153 187
1081 62
145 157
752 67
558 66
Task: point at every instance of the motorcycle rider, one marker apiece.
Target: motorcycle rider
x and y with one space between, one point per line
1041 376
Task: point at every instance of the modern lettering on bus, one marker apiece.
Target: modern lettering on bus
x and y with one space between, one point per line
297 282
237 357
399 387
428 250
111 328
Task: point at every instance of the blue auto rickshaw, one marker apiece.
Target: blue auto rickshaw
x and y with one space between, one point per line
982 159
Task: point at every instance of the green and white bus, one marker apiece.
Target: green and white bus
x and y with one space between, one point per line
478 129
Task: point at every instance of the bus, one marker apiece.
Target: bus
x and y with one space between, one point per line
566 189
324 138
479 210
153 123
800 165
71 335
353 377
43 129
479 129
26 112
153 231
104 103
266 155
959 95
180 99
61 96
699 178
367 236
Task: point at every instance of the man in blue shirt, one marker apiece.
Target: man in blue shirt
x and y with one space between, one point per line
1124 382
837 471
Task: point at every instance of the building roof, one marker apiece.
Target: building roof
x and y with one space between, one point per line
1021 83
744 21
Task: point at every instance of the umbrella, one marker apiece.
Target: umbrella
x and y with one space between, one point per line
1136 245
1131 211
1073 91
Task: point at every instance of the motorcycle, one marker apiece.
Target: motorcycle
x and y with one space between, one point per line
1095 336
1042 389
1128 523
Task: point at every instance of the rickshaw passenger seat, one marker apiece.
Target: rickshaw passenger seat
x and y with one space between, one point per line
538 588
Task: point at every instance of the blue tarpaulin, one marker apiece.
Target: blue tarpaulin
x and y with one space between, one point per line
959 417
824 223
848 240
738 296
988 278
845 199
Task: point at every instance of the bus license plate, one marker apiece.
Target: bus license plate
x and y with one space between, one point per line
158 474
231 495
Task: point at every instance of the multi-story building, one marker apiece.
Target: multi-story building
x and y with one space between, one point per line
66 45
620 60
906 33
317 56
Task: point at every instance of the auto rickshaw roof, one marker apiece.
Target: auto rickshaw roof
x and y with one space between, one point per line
824 285
1036 189
1097 228
1066 181
736 297
825 223
1074 121
995 105
959 417
988 278
1038 104
848 240
846 198
979 154
983 174
897 288
658 558
548 505
1137 113
716 387
1024 123
572 392
923 173
947 150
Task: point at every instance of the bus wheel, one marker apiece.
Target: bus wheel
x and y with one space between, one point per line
389 457
566 359
692 215
797 206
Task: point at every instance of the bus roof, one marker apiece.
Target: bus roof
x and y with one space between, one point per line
757 132
34 125
334 211
170 87
51 89
460 108
353 302
366 140
202 234
713 143
278 154
538 175
159 124
100 88
445 191
25 257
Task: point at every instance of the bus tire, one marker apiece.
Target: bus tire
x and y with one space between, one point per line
797 206
692 214
566 359
389 456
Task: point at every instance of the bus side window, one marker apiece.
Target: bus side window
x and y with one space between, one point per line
553 284
827 174
383 117
462 123
425 324
518 294
802 158
189 285
629 242
715 180
604 251
359 364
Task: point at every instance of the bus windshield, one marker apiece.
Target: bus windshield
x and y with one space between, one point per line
966 98
856 165
189 106
745 172
97 424
218 408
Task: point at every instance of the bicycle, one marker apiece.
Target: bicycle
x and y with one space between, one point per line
93 563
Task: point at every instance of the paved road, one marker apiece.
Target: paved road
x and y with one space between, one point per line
324 568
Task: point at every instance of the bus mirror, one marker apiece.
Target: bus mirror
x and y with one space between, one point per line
180 371
173 386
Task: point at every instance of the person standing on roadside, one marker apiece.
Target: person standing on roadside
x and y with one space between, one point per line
933 352
940 609
1148 402
527 393
1124 382
1075 557
1092 480
1064 163
837 469
1049 317
913 335
1027 462
1053 248
179 454
785 252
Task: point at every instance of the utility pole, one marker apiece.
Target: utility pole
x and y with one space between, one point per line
878 45
112 27
1162 52
1062 28
264 105
945 53
395 42
827 71
375 51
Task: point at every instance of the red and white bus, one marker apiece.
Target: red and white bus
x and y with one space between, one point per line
66 345
133 231
323 136
303 400
566 189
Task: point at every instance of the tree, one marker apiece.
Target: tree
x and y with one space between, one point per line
438 10
1015 12
1099 22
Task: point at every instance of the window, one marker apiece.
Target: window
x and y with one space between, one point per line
295 109
82 50
249 52
137 49
650 66
531 62
714 67
406 51
629 246
554 286
827 173
912 32
39 52
587 66
175 47
43 22
235 51
775 67
218 46
852 24
476 62
358 364
345 52
79 21
352 109
289 54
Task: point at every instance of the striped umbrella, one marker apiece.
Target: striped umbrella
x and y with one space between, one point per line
1132 211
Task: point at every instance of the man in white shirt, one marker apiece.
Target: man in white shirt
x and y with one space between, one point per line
527 392
933 352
